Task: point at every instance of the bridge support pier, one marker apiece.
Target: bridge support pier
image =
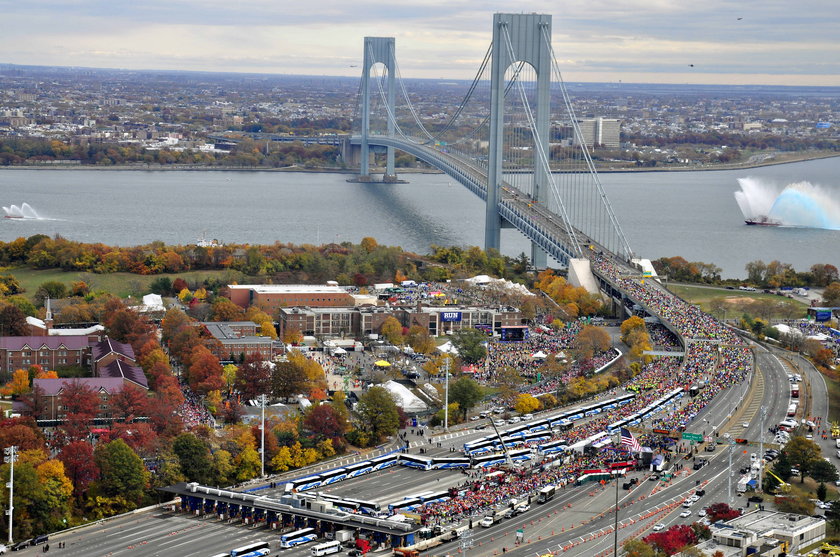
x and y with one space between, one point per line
517 38
378 50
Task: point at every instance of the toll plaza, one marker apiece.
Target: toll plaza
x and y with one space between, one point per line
288 512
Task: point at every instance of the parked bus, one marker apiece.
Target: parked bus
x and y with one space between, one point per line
480 446
546 494
367 507
408 505
333 476
358 469
250 548
553 447
302 484
488 460
449 463
298 537
325 548
412 461
382 462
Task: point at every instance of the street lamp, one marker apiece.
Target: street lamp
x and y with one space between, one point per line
616 444
262 398
11 458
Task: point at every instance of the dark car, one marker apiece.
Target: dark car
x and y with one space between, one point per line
755 499
700 492
38 540
21 545
710 448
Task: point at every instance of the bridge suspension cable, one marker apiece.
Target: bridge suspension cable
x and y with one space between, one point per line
622 239
541 150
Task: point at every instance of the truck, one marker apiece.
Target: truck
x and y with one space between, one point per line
546 494
743 483
344 536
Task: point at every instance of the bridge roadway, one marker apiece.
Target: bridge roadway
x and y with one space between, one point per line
162 533
535 221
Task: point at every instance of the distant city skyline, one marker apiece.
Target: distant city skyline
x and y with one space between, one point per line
774 42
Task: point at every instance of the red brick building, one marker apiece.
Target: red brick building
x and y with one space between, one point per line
271 297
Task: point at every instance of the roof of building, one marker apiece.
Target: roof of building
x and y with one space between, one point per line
122 370
225 329
108 346
35 322
766 522
70 342
289 288
53 387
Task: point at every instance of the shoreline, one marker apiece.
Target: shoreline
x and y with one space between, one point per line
377 171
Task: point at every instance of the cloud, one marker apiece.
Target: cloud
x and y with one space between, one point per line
609 38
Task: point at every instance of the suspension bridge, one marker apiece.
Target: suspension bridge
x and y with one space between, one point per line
514 140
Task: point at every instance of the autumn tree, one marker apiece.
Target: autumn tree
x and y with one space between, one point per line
325 422
205 372
591 340
419 339
130 402
79 465
254 377
12 321
391 329
525 404
19 385
222 309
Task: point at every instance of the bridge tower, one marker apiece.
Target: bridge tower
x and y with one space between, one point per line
517 38
378 50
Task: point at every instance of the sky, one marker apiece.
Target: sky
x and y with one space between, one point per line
746 42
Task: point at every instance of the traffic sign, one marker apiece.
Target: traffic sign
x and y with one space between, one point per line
693 437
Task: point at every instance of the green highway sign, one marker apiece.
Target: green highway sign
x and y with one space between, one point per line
693 437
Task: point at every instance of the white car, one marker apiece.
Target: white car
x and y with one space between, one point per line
745 425
701 513
486 522
685 514
687 503
658 527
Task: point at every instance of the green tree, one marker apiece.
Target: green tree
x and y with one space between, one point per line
122 473
50 289
168 471
470 344
193 456
803 454
822 492
378 413
823 471
466 392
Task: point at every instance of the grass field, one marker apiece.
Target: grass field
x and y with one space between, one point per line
736 302
120 284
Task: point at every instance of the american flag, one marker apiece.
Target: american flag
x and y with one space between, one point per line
627 440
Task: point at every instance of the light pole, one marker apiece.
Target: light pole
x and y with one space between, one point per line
262 399
11 457
446 394
616 444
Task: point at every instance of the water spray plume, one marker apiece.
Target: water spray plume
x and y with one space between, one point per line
799 204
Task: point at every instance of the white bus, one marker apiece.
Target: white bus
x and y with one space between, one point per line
298 537
326 548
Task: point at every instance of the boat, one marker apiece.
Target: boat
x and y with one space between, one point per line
762 220
13 216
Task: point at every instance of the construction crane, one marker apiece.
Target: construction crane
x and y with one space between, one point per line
784 487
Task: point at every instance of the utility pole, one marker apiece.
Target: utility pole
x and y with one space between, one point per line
761 448
262 399
731 473
446 394
11 458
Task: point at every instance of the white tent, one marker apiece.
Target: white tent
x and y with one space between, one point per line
405 398
448 348
339 351
539 355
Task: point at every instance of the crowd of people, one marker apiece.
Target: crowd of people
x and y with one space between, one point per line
715 359
192 411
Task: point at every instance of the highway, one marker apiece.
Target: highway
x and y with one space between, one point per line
577 522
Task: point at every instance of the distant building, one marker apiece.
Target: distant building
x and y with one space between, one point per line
50 352
232 339
764 534
271 297
601 131
358 322
52 389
